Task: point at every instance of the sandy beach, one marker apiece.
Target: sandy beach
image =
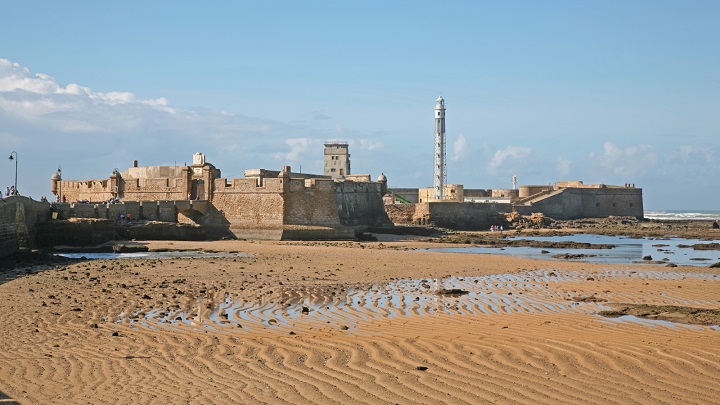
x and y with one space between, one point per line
350 322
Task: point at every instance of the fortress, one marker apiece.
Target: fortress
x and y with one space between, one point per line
197 202
477 209
265 204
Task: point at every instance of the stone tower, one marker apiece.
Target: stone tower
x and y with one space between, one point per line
337 160
439 173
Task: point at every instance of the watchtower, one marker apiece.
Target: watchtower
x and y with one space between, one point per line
337 160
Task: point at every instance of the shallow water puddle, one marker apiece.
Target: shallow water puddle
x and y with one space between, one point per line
626 250
654 323
334 306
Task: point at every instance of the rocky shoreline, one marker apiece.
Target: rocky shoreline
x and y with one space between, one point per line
628 227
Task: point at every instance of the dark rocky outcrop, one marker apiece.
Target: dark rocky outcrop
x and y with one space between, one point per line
85 232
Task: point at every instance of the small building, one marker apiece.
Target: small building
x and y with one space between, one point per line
337 160
451 192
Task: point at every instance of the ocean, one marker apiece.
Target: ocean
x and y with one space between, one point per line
684 215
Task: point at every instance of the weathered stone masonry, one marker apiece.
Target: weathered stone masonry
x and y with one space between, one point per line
265 204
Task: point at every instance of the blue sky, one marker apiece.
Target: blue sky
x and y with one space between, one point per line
607 92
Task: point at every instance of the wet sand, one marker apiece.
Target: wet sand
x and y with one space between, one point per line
352 323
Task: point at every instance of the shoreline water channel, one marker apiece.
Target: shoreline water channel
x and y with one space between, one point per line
626 250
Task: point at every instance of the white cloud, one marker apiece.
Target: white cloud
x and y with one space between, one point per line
631 161
368 144
48 93
89 132
511 152
299 148
460 148
688 153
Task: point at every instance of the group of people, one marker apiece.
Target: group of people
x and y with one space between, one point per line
124 219
496 228
9 191
57 199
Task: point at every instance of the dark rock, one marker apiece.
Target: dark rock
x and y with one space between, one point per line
591 298
122 248
451 291
568 256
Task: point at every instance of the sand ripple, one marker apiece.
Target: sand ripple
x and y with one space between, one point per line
531 337
536 292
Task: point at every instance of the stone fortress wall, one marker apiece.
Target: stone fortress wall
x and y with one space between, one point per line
265 204
562 201
587 202
19 220
280 207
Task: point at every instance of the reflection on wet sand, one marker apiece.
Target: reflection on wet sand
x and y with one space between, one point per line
530 292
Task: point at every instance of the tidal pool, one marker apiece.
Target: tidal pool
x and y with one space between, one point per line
291 308
627 250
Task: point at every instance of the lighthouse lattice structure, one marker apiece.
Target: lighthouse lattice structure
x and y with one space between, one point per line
440 171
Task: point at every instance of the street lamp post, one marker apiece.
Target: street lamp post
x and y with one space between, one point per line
59 172
16 161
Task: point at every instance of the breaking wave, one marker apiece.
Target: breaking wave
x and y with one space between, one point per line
684 215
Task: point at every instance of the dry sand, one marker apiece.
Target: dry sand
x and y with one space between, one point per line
348 323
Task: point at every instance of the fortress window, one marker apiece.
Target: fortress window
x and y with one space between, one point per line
332 170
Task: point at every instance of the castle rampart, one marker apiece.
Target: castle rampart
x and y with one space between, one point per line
588 202
20 218
358 203
463 216
527 191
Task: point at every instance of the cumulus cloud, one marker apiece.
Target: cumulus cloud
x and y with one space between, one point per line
90 132
633 160
460 148
511 152
299 147
368 144
18 81
689 153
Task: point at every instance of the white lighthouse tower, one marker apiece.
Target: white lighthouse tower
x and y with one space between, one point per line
439 174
